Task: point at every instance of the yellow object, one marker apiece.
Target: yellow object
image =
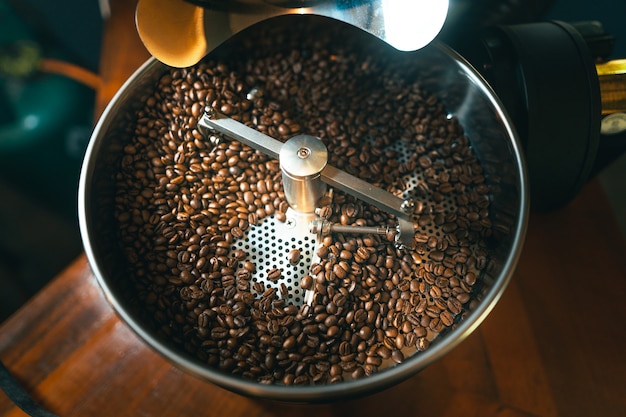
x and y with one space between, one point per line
172 31
612 77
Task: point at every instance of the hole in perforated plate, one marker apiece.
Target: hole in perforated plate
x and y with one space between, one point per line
268 245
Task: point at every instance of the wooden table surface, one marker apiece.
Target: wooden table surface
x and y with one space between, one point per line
554 345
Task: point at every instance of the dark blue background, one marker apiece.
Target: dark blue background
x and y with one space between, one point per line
612 14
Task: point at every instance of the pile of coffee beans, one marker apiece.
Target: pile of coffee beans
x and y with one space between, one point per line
182 201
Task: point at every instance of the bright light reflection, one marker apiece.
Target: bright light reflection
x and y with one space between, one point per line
413 24
31 121
303 10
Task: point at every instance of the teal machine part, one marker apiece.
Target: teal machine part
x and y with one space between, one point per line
45 119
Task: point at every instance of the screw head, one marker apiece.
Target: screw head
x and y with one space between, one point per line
408 206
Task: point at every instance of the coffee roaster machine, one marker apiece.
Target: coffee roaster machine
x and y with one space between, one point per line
539 102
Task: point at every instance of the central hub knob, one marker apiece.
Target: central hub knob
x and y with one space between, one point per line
302 159
304 153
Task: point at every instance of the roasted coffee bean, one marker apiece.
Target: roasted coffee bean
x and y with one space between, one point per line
358 372
294 256
307 282
274 274
454 306
422 344
397 356
446 318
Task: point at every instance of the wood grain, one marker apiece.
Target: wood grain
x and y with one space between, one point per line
553 345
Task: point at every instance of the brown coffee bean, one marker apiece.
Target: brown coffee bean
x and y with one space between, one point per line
446 318
359 372
294 256
332 331
397 356
365 332
274 274
307 282
339 271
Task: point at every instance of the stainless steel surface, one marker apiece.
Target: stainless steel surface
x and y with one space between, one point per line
325 228
268 244
463 93
302 159
382 199
406 233
217 121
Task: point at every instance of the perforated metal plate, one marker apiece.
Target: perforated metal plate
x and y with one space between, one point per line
268 246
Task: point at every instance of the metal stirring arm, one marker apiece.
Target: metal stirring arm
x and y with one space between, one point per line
341 180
